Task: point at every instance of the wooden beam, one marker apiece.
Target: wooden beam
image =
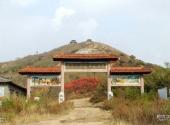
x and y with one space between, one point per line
86 70
126 85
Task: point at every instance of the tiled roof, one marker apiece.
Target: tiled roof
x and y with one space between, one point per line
40 70
139 70
57 69
2 80
7 81
64 56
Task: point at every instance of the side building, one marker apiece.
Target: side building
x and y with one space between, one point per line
7 88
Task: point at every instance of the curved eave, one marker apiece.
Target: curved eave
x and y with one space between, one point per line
40 70
130 70
85 57
30 73
130 73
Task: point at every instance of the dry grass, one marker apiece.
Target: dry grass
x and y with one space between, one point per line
128 105
140 111
17 109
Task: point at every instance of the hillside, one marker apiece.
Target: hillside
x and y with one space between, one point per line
9 69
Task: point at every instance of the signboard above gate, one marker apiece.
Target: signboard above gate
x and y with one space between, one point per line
81 65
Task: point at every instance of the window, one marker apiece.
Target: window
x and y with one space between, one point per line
2 91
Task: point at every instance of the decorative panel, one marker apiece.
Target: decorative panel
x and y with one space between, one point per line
45 80
125 80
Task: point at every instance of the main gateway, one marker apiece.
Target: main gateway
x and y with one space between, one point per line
54 76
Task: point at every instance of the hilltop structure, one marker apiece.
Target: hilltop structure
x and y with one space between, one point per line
54 76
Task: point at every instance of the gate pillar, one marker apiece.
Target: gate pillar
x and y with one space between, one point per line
61 94
109 90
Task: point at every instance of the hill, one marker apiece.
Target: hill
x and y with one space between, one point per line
9 69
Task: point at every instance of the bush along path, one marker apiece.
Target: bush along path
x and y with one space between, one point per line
84 113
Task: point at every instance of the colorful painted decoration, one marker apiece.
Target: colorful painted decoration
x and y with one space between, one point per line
125 79
44 80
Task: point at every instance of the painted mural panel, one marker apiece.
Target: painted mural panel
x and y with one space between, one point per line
45 80
125 80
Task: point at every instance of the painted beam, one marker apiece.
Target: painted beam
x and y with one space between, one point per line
86 70
45 86
126 85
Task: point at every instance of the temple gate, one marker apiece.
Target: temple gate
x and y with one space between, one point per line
54 76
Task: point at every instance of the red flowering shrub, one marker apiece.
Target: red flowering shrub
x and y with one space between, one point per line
82 85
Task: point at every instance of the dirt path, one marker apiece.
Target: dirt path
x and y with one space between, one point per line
84 113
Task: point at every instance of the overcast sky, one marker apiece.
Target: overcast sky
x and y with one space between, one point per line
138 27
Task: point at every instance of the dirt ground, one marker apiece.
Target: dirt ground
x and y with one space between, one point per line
84 113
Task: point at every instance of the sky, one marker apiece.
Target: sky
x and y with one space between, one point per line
136 27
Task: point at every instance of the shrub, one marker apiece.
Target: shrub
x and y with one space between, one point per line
82 85
13 104
100 94
157 79
132 93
